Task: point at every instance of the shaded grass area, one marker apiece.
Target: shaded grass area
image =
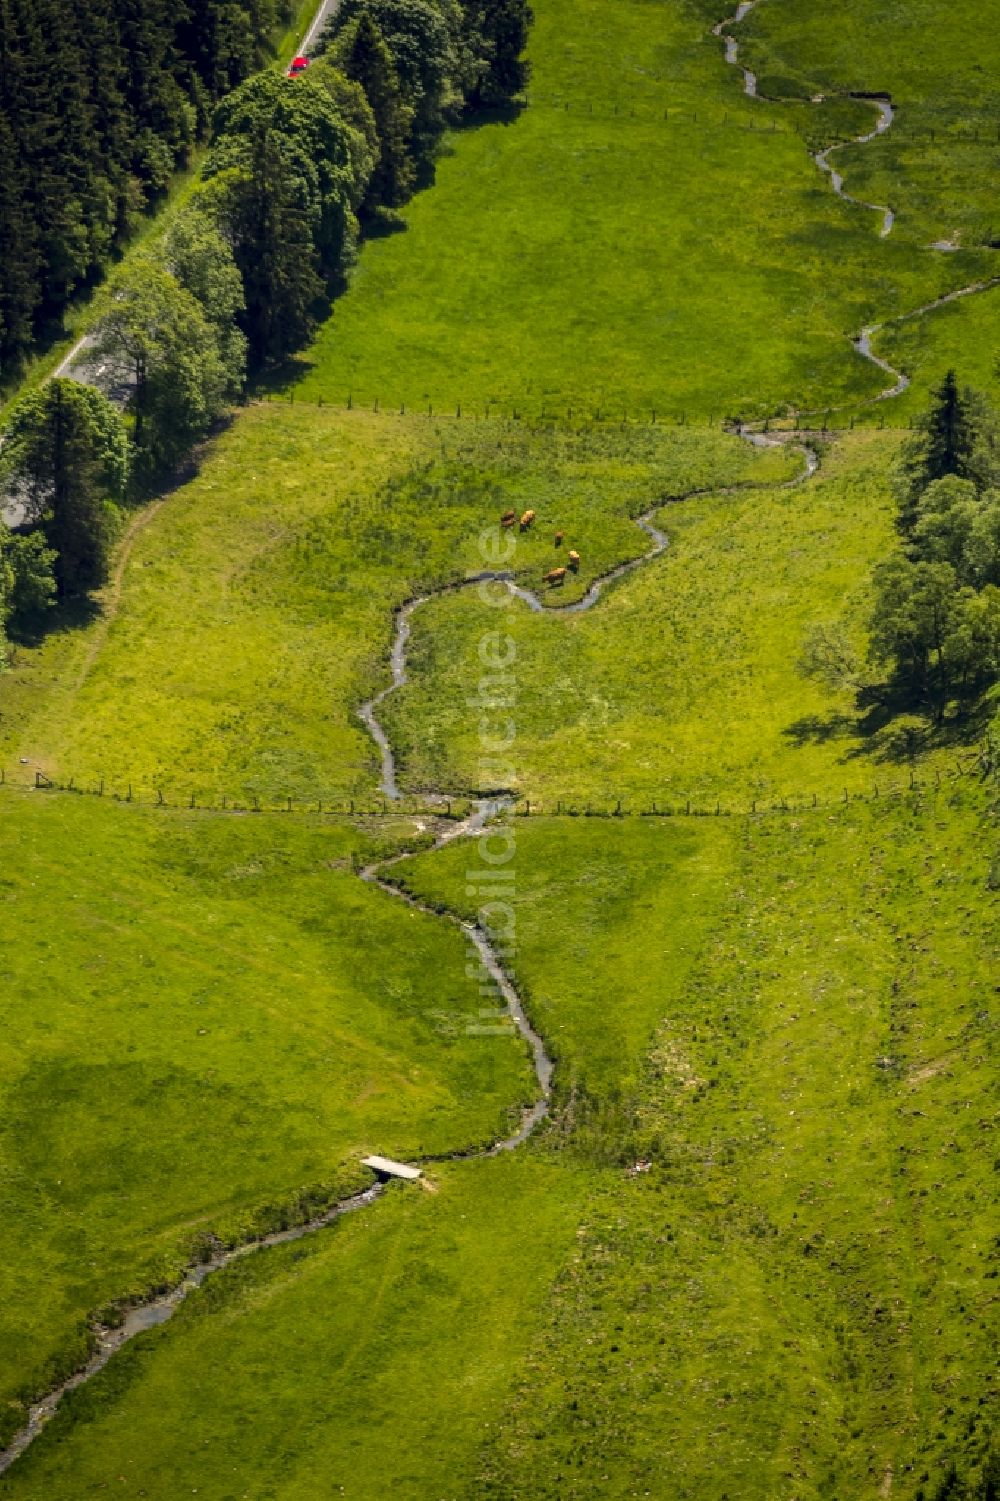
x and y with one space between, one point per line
794 1299
202 1018
683 682
641 236
255 607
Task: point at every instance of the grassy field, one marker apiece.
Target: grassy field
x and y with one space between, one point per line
202 1017
798 1297
254 609
641 236
795 1298
940 66
787 1019
683 681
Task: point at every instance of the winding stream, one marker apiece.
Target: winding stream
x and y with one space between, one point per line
160 1307
881 102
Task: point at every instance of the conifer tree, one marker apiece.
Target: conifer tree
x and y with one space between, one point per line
365 57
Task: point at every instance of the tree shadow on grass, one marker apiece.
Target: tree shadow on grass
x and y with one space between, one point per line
886 728
506 113
69 615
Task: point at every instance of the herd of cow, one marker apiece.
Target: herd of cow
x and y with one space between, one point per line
555 576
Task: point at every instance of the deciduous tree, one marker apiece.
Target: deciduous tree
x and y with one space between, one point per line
66 450
158 340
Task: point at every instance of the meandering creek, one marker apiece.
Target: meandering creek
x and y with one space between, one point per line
160 1307
883 104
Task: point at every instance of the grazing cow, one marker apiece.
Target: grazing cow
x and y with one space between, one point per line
527 520
555 576
508 518
559 537
574 560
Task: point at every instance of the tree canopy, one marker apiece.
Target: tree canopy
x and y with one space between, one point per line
99 101
935 623
67 452
157 338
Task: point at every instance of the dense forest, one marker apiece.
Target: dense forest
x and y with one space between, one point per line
100 100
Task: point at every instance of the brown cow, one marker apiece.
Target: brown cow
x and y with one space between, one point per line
559 537
555 576
508 518
527 520
574 560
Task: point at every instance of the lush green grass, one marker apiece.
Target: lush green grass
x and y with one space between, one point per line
791 1018
201 1017
592 253
935 166
255 608
367 1362
683 681
940 63
799 1295
964 336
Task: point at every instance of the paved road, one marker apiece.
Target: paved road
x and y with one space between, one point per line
326 10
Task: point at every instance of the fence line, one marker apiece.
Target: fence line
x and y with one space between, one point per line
950 125
585 414
978 766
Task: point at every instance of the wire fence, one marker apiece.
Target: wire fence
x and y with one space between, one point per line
944 124
588 414
978 766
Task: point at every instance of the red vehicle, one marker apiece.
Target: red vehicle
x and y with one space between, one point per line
299 65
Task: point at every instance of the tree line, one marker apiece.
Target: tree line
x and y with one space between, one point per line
100 102
934 623
295 169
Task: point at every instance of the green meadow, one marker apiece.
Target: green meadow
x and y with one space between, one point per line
683 683
940 68
254 610
641 237
787 1020
752 1251
206 1021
